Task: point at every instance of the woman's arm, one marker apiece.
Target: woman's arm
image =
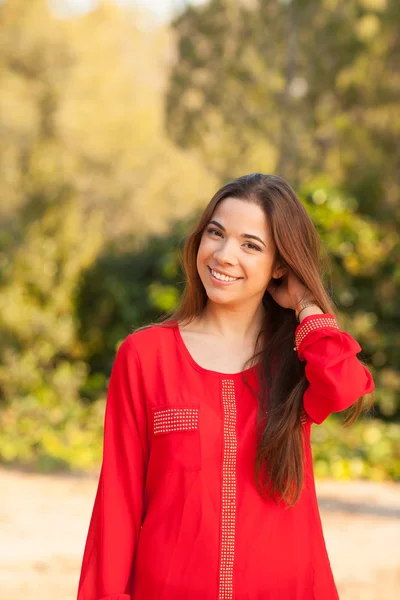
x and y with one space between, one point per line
336 377
118 507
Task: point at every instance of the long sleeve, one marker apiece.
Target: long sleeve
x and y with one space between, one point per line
118 506
337 379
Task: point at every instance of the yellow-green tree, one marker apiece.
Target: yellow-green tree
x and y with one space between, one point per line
84 162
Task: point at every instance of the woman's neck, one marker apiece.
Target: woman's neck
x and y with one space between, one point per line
236 324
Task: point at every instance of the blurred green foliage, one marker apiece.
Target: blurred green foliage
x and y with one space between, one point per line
112 138
369 449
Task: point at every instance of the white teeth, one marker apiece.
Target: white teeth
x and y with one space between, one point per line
223 277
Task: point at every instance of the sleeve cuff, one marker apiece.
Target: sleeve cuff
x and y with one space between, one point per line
313 323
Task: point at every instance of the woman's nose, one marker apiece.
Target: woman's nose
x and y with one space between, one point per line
226 254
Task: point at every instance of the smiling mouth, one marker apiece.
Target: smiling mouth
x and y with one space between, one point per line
221 277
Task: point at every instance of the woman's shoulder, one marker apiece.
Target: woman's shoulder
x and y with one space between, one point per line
149 338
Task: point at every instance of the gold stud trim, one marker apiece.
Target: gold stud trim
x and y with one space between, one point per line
303 417
228 515
167 420
313 325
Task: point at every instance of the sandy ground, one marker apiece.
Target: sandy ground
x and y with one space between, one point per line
44 522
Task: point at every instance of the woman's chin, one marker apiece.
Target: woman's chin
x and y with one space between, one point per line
220 296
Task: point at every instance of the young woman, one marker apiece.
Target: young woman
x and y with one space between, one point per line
206 489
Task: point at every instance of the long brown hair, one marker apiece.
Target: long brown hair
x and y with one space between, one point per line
279 465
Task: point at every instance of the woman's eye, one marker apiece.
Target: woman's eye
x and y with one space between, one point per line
252 246
212 231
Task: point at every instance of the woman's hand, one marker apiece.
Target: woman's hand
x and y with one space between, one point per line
290 292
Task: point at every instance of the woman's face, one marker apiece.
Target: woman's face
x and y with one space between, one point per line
236 253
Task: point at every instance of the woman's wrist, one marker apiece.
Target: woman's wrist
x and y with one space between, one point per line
310 310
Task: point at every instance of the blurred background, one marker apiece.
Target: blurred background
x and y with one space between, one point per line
118 122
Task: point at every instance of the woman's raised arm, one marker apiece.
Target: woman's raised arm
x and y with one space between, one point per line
337 378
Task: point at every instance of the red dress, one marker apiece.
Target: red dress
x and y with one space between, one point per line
177 515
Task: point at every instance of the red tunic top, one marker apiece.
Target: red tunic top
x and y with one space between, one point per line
177 515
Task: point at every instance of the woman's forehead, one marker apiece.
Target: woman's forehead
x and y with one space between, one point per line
235 214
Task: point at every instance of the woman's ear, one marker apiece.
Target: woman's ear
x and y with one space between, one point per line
279 272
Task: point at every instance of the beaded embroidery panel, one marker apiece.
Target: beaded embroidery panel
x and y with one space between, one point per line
312 325
228 516
167 420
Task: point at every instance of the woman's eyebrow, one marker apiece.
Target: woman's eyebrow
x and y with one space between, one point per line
243 235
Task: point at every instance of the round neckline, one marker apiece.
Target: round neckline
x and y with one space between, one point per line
185 350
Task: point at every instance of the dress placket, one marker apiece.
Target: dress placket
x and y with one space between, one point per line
228 511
